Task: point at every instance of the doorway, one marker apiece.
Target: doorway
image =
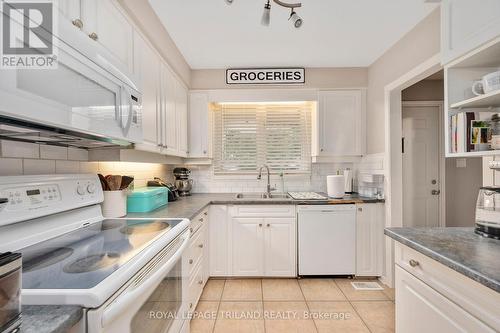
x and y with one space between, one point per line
423 164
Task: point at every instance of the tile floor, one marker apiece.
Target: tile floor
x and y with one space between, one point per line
290 305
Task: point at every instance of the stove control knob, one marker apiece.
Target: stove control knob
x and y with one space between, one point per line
80 190
91 188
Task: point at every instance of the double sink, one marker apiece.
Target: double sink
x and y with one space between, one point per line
262 196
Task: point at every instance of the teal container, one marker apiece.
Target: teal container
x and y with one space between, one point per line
147 199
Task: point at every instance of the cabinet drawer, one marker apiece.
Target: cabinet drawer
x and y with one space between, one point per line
263 211
198 221
195 249
195 287
472 296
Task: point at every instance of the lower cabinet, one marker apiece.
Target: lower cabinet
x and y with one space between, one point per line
253 241
370 221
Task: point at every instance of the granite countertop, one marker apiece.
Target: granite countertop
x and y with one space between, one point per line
457 248
189 207
49 318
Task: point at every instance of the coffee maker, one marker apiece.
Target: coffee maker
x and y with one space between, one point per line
182 181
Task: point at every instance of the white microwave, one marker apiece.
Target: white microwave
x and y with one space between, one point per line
84 94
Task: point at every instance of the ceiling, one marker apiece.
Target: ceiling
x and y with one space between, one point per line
335 33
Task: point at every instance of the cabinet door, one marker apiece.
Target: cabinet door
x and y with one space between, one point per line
182 118
247 246
466 25
280 247
70 10
147 67
419 308
369 239
169 121
112 30
340 128
218 239
198 125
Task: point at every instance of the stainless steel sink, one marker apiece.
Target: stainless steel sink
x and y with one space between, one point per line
262 196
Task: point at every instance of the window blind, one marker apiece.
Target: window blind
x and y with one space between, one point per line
247 136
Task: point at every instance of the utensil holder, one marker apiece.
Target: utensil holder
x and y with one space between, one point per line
114 204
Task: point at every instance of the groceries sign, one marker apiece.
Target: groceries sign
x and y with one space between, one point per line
266 76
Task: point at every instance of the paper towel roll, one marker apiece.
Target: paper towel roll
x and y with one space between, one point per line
335 185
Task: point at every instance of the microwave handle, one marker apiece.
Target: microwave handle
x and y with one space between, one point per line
123 302
126 127
103 62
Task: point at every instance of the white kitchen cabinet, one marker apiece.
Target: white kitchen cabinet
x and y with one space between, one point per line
147 65
466 24
70 10
181 112
420 308
169 118
198 125
339 124
218 240
280 247
248 246
370 221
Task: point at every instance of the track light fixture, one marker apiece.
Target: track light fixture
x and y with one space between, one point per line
266 15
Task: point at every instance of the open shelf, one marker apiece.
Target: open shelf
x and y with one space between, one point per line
491 99
474 153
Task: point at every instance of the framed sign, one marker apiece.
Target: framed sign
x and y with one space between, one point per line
266 76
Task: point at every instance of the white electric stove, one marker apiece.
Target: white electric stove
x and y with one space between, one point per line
118 270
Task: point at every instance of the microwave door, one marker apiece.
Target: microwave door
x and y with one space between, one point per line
77 94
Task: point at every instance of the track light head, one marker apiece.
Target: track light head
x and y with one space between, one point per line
229 2
296 19
266 15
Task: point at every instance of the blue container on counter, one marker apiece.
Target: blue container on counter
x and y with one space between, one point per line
147 199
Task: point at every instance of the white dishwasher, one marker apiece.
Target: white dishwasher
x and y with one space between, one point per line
327 239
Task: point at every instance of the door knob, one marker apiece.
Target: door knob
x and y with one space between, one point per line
435 192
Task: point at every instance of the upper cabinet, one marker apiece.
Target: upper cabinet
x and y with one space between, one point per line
471 52
339 124
199 125
467 24
106 24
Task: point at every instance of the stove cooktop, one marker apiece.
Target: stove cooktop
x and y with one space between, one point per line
83 258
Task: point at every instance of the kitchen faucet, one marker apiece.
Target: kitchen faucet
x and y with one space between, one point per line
269 188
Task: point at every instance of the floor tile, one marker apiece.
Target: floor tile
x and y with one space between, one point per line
213 290
204 317
377 315
339 317
241 317
287 317
390 293
281 290
360 295
242 290
321 290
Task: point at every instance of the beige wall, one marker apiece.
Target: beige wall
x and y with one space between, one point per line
315 78
149 23
462 187
426 90
418 45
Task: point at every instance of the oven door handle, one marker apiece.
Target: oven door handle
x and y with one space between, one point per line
122 302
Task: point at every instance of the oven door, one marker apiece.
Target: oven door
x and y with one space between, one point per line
83 94
150 302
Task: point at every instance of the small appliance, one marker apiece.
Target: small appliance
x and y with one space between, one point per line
10 292
488 212
173 192
490 82
182 181
147 199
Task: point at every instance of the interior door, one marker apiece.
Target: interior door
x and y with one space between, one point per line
421 181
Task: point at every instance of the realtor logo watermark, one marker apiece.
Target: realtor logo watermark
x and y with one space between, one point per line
27 34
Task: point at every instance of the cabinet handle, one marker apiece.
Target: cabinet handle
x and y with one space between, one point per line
360 209
190 305
77 23
191 230
201 220
200 282
190 261
93 36
206 213
268 225
414 263
321 149
260 224
204 152
200 246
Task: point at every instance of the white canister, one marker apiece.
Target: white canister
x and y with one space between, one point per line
335 185
114 204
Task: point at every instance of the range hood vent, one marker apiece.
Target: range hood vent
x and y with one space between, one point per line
24 131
